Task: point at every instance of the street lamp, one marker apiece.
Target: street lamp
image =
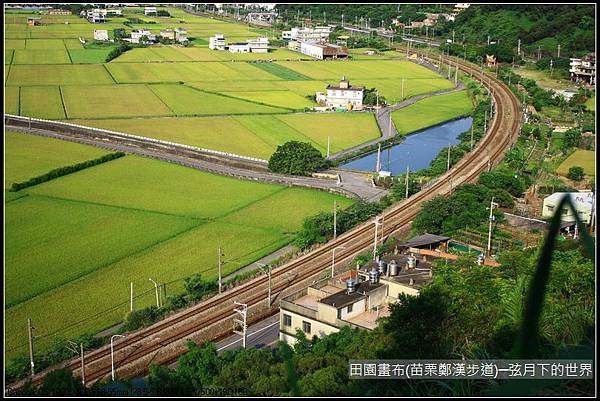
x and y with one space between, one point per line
112 355
157 297
333 259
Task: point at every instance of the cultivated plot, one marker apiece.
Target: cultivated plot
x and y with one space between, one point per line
42 102
419 115
41 57
106 101
58 75
27 156
582 158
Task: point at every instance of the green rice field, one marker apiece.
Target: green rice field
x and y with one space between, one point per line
75 243
86 235
582 158
419 115
256 136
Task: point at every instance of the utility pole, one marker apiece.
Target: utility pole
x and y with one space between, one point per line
377 223
402 93
558 53
30 329
219 265
551 65
485 123
519 47
157 295
488 42
112 355
378 166
406 193
449 146
243 312
333 259
131 297
491 218
390 130
334 220
539 52
262 265
342 20
82 366
456 76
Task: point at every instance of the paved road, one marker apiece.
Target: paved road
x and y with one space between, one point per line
354 185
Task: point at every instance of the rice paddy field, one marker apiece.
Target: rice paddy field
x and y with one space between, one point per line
582 158
256 135
419 115
87 235
75 243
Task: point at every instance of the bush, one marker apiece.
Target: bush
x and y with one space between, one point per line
117 51
197 287
59 172
141 318
296 158
575 173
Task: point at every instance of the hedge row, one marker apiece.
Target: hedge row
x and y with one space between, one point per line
59 172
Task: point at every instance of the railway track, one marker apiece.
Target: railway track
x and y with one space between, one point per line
165 341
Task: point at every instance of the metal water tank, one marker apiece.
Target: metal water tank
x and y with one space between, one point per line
350 286
382 267
393 268
480 259
373 276
412 262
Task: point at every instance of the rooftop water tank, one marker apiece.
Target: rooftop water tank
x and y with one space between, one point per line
350 286
393 268
373 276
412 262
382 267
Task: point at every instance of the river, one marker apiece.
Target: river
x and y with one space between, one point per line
417 150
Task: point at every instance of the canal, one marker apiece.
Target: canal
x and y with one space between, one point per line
417 150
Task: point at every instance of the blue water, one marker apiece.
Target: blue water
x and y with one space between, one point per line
417 150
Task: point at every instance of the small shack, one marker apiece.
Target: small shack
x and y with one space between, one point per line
33 21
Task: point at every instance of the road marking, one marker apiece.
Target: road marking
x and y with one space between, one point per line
257 331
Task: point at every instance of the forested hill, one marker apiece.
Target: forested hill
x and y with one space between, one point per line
545 25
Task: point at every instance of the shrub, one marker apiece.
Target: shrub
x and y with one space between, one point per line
141 318
575 173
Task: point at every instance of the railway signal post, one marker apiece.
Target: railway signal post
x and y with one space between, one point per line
243 312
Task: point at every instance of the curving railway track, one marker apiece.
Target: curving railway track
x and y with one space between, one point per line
210 320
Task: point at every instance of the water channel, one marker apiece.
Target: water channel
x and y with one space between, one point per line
417 150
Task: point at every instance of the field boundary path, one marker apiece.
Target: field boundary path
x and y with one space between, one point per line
388 131
350 185
212 319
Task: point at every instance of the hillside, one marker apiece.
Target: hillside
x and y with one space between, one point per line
571 26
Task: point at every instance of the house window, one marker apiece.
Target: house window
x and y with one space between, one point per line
550 207
306 327
350 308
287 320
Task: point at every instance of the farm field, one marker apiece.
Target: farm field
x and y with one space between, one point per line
256 136
581 158
42 102
419 115
27 156
591 103
189 213
32 75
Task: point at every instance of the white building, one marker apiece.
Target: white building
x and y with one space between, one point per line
216 42
101 34
181 35
584 202
344 96
150 11
259 45
136 35
319 33
584 69
98 15
322 51
239 48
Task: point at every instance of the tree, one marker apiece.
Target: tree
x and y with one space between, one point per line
575 173
572 138
59 383
197 287
296 158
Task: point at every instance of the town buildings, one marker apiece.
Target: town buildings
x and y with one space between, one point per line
261 18
150 11
99 15
256 45
584 69
318 34
358 298
344 96
56 11
323 51
137 36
